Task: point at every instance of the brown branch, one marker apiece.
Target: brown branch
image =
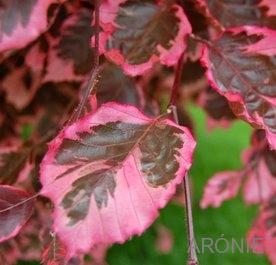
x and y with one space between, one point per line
190 225
177 81
192 259
95 70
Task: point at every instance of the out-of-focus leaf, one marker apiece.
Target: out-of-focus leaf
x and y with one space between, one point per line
262 236
22 21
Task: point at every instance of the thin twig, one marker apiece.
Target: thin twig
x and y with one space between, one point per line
95 70
192 260
97 30
190 225
177 81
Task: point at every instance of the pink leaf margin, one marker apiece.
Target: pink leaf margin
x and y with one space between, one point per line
166 57
260 184
261 238
24 35
25 195
269 4
92 236
259 48
213 196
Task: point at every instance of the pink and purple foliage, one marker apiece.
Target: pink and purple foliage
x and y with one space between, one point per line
129 187
125 40
101 169
22 22
13 212
233 64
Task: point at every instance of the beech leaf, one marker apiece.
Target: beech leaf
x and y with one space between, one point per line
260 183
22 81
70 55
217 108
125 90
110 172
262 236
13 213
136 42
12 164
270 159
53 253
240 13
222 186
242 67
164 241
22 22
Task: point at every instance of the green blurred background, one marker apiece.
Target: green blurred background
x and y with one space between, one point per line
216 151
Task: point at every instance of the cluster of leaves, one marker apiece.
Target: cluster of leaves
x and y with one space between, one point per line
116 159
